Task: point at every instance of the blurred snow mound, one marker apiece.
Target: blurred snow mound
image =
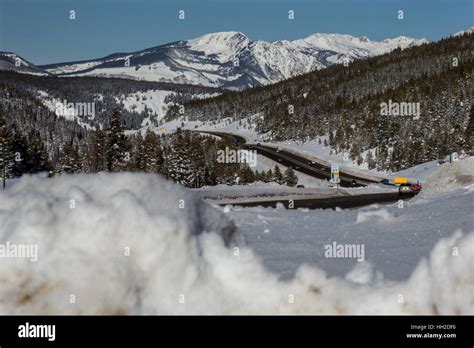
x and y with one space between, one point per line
362 273
184 260
380 215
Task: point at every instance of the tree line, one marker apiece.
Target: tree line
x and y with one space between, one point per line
185 157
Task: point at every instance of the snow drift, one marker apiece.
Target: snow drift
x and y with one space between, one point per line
450 176
126 244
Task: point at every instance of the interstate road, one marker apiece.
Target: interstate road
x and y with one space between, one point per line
295 161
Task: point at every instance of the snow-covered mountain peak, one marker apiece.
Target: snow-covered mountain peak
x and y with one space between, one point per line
223 44
406 40
467 31
223 37
356 47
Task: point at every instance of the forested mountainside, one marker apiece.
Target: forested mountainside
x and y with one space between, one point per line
184 157
344 102
27 116
187 158
30 102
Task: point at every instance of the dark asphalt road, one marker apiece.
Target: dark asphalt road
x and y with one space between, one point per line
343 202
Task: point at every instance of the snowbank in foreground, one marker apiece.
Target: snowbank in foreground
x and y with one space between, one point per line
179 261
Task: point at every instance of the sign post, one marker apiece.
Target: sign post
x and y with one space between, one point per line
335 180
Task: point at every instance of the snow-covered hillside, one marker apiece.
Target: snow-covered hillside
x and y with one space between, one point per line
231 59
153 100
13 62
135 244
449 176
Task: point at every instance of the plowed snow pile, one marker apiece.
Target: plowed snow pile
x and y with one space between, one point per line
450 176
125 244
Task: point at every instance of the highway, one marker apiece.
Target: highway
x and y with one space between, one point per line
297 162
343 202
315 169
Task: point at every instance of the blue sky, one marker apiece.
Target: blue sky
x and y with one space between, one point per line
41 31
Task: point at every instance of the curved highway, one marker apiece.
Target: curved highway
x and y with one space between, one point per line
315 169
297 162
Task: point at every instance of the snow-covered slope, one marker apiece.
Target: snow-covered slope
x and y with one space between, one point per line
462 32
13 62
450 176
231 59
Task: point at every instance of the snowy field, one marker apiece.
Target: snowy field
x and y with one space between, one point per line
137 244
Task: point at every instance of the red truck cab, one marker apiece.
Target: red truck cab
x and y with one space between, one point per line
416 187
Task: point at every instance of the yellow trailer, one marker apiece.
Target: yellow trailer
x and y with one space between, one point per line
400 181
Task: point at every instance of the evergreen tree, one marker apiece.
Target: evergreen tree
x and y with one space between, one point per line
20 151
257 176
152 154
277 175
469 133
290 177
198 160
69 160
98 146
371 164
268 176
247 175
116 144
7 160
179 163
37 159
138 156
84 158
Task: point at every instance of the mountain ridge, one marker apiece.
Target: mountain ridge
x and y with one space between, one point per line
231 59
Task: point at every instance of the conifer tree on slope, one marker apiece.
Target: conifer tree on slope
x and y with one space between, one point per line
37 159
84 158
197 151
20 150
290 177
247 175
179 164
277 175
469 133
137 156
98 145
116 144
268 176
6 153
152 153
69 160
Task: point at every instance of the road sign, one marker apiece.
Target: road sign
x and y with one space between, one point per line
335 174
